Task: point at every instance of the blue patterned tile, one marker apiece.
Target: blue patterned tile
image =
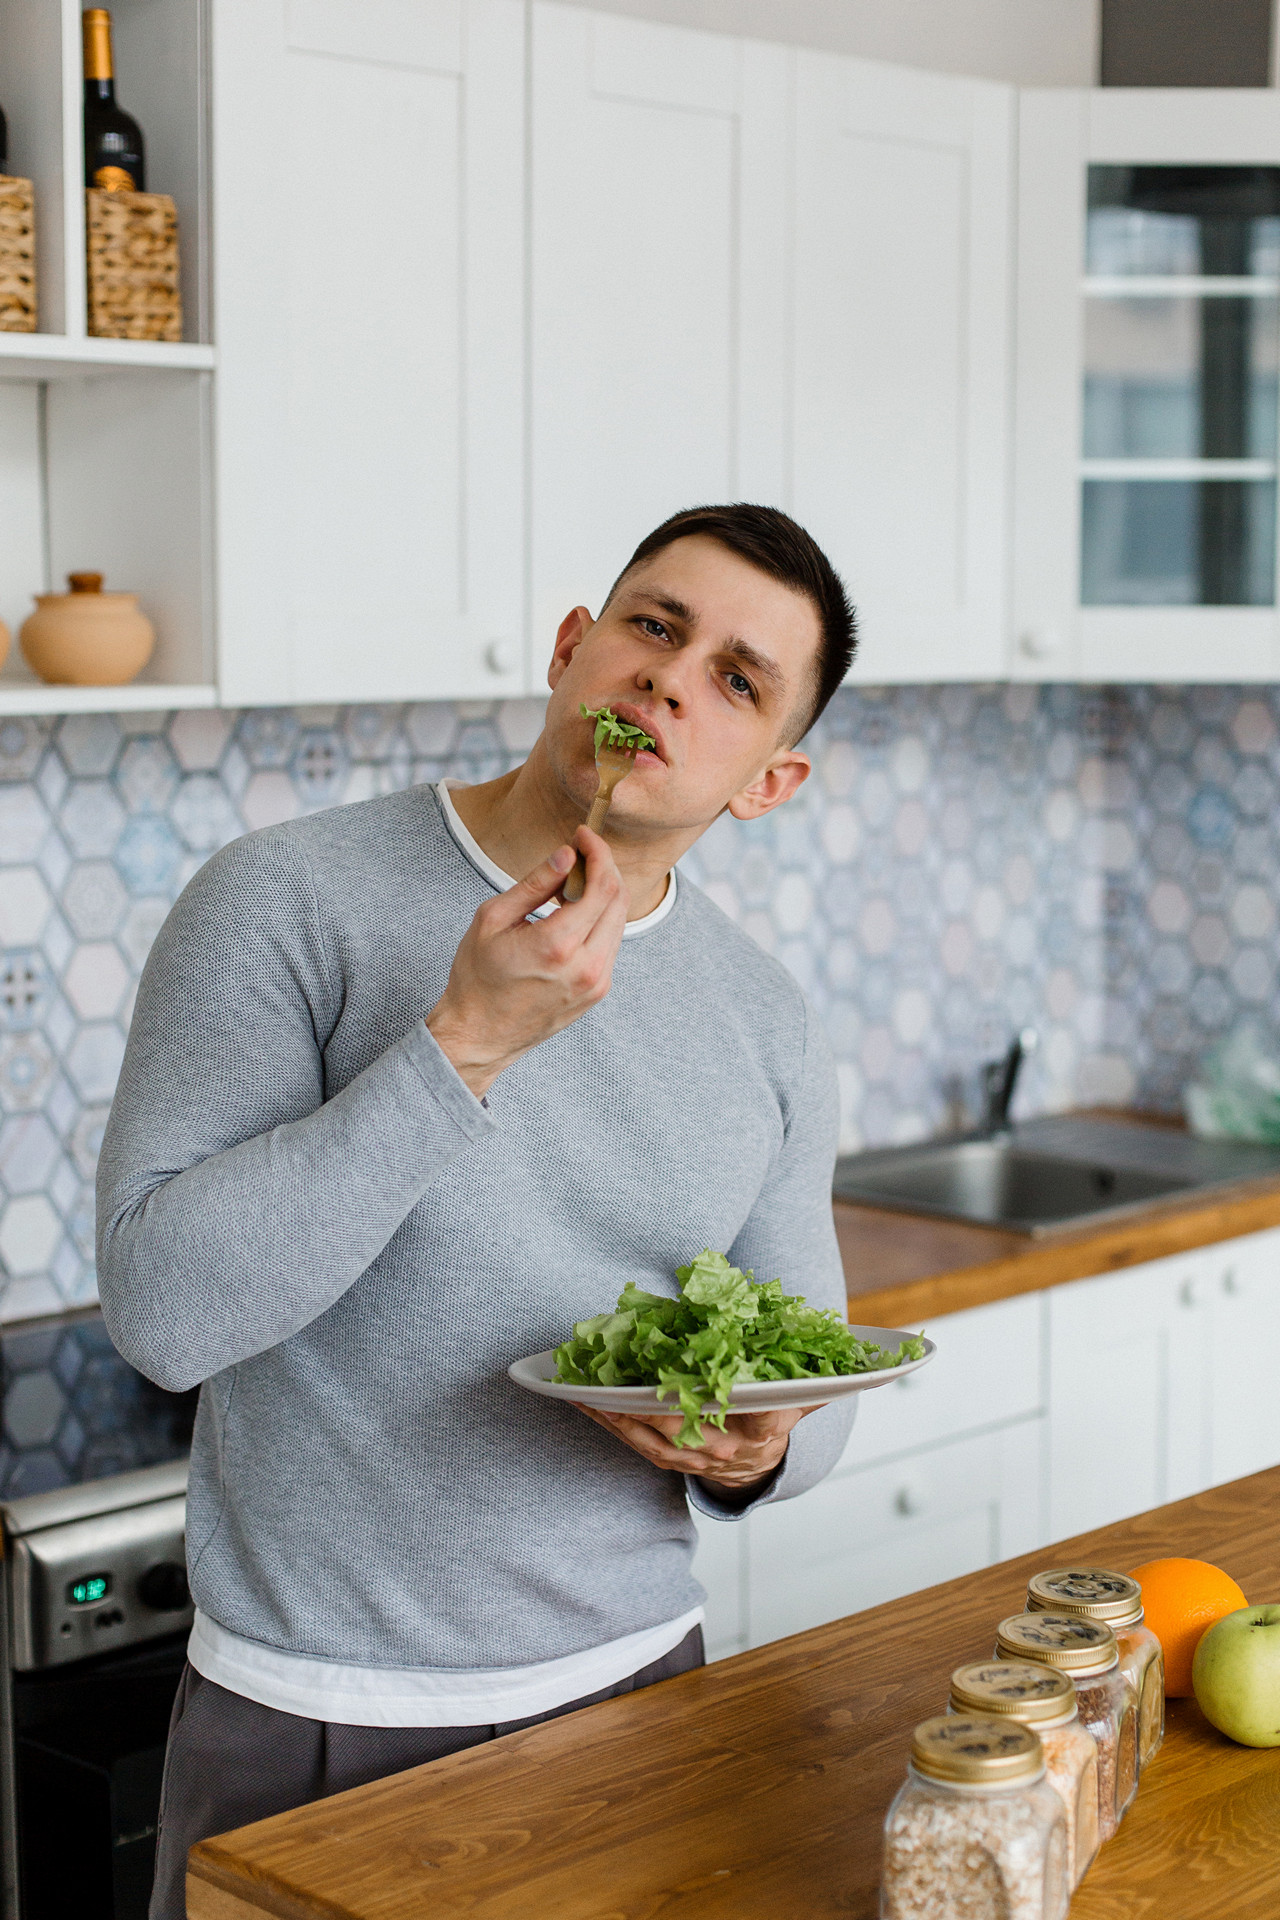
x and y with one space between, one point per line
147 854
1103 863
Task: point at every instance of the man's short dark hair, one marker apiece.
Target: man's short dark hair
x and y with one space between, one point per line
772 541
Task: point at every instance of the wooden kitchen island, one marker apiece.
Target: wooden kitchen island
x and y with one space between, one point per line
755 1788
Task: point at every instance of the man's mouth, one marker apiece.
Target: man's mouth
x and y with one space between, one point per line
637 717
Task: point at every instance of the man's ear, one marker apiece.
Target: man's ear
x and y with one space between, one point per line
785 773
573 629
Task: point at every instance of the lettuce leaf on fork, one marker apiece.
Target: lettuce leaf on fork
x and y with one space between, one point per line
612 732
725 1327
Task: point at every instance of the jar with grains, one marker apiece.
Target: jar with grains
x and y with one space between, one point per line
1086 1651
1097 1594
975 1832
1044 1700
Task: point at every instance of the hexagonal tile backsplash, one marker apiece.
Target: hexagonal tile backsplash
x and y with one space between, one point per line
965 861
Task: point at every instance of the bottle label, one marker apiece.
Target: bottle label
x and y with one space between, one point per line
114 180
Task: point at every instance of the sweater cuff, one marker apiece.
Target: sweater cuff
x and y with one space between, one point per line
445 1084
702 1494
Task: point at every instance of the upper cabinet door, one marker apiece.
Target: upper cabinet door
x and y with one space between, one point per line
658 308
901 376
370 320
1148 431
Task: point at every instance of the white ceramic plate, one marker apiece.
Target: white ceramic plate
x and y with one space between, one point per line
537 1373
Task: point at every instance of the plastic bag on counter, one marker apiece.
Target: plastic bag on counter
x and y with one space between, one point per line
1237 1093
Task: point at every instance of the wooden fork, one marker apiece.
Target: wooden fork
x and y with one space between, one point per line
612 765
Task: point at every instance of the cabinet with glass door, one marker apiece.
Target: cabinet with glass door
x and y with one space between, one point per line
1145 523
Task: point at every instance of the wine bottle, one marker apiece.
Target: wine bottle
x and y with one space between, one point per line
114 157
4 143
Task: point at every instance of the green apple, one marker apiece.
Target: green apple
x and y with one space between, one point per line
1236 1675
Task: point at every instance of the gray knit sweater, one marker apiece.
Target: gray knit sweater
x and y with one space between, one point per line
302 1206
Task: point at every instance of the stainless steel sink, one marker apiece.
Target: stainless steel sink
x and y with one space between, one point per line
1048 1175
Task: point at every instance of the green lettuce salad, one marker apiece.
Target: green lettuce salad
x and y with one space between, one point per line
724 1328
612 732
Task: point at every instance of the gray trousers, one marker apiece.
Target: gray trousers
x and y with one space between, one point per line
230 1761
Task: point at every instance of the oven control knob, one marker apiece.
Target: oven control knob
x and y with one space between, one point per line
164 1587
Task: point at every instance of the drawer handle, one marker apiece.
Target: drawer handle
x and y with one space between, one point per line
1189 1294
500 657
1231 1282
909 1502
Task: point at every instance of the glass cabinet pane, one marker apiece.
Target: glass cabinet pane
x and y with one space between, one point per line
1177 543
1183 221
1181 378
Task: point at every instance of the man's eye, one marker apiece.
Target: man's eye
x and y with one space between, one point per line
654 628
740 683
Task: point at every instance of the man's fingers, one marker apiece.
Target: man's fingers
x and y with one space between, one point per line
764 1426
527 895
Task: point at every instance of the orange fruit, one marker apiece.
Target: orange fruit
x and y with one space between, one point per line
1181 1599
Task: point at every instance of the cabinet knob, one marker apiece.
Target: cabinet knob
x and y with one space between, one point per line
1189 1294
1230 1282
1039 643
909 1501
500 657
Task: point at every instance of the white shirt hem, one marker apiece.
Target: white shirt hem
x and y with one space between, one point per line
418 1697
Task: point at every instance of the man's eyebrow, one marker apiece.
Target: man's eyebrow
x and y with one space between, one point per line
678 609
758 662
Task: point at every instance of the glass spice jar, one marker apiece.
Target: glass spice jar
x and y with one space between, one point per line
975 1832
1086 1651
1097 1594
1044 1700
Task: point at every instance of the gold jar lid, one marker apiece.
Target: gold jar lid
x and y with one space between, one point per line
1095 1593
1036 1695
1063 1640
976 1750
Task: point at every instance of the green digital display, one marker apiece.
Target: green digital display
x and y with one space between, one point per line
89 1588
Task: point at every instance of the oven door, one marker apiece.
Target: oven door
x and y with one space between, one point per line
88 1753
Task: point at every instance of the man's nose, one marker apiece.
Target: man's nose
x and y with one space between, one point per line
668 679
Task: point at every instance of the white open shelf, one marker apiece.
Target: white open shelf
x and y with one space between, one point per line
20 697
106 445
50 356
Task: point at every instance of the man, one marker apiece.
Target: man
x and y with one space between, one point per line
389 1120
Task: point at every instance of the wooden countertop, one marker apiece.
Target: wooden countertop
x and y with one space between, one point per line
904 1270
755 1789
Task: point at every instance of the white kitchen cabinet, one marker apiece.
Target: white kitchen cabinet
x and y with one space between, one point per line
1243 1301
1145 327
868 1536
658 247
368 160
1041 1417
901 274
1129 1392
943 1473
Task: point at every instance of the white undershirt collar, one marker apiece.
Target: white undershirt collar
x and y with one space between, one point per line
493 872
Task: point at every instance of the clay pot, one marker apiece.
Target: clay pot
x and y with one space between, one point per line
87 638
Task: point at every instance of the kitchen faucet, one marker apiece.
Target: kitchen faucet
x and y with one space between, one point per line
1000 1077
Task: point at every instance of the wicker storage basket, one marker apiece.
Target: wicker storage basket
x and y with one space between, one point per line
17 255
133 266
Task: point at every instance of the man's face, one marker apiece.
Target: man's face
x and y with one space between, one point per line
713 658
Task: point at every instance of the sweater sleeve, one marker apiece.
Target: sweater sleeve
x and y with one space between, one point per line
790 1235
235 1202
